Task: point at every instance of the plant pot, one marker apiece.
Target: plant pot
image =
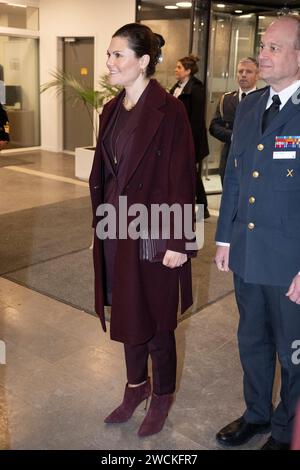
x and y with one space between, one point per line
84 157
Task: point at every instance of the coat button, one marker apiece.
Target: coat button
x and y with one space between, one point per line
251 226
140 185
97 187
255 174
260 147
252 200
158 153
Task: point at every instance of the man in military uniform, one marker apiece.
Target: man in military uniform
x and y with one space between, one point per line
222 123
4 128
258 235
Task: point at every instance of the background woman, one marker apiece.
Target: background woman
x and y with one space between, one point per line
191 92
144 152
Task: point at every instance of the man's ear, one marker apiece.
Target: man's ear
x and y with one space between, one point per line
298 58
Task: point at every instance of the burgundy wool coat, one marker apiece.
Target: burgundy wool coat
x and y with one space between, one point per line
161 170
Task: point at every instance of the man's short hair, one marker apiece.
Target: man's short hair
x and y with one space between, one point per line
249 59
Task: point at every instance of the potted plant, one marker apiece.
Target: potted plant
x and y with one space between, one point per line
93 101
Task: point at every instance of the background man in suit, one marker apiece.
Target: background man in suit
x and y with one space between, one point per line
222 123
259 238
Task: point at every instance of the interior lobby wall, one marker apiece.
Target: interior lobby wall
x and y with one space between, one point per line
74 18
176 35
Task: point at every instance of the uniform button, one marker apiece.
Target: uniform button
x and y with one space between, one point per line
252 200
140 185
260 147
251 226
255 174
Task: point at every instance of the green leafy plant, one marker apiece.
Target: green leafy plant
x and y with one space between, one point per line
75 91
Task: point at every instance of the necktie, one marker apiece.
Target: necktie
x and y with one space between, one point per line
243 95
271 112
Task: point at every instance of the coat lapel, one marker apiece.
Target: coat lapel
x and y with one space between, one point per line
108 113
144 125
106 125
261 109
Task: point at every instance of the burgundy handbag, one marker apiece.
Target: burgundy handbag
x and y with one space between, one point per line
152 250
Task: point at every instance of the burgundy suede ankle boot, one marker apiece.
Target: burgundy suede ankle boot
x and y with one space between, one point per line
157 414
133 396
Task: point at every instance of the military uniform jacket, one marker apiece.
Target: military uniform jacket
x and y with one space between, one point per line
259 213
222 123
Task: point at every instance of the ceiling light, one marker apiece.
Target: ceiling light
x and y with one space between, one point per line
16 5
246 16
261 17
184 4
171 7
238 11
221 5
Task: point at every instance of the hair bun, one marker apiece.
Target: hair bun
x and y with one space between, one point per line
160 40
193 57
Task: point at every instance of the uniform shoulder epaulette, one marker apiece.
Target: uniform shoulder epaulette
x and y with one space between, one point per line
228 93
259 90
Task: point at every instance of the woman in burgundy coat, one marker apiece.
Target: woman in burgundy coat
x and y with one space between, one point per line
144 155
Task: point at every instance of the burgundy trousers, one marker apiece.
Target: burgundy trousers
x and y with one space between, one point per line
162 350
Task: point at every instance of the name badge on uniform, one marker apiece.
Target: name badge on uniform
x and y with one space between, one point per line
287 155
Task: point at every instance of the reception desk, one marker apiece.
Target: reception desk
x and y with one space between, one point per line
22 128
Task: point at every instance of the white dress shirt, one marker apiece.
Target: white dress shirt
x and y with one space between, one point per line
246 92
180 87
284 95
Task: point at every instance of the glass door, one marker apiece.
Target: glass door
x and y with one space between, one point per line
232 38
19 75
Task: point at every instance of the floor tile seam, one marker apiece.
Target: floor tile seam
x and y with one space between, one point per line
14 271
50 176
46 294
204 306
68 376
47 204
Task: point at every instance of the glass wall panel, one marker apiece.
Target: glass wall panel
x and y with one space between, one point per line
235 33
174 26
19 73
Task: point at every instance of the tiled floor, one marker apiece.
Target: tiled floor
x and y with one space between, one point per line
63 375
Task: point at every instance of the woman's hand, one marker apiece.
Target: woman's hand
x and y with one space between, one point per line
173 259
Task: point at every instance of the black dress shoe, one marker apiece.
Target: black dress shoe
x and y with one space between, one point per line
206 213
272 444
239 432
